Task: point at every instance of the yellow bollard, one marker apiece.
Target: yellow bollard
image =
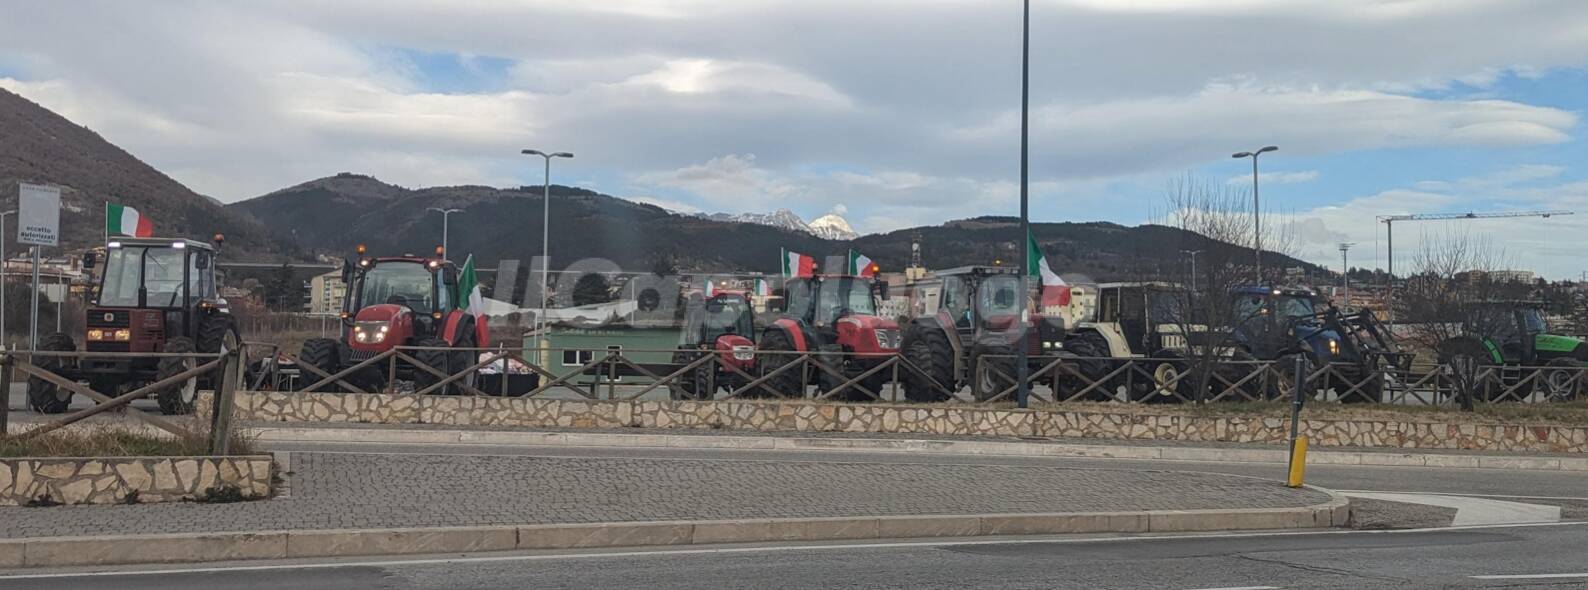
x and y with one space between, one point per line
1298 462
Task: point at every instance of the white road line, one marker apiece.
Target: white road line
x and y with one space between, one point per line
1530 577
1243 588
1499 496
733 550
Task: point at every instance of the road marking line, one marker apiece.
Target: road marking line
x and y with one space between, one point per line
732 550
1243 588
1501 496
1530 577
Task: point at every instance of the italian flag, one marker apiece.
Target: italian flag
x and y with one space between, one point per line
798 265
469 290
121 220
711 288
763 288
1054 290
860 265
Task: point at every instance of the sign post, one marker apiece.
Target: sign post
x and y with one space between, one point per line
39 225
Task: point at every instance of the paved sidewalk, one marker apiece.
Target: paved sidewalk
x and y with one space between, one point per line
350 491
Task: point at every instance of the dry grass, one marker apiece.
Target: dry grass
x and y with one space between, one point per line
112 442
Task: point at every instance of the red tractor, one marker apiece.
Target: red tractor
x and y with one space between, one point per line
398 301
724 325
154 295
834 316
977 316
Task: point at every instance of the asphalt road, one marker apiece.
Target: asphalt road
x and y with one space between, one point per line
1398 560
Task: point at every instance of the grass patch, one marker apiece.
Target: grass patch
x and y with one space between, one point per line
112 442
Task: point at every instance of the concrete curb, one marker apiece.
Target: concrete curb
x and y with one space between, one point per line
203 547
889 445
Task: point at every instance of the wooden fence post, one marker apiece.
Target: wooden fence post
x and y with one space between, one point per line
221 416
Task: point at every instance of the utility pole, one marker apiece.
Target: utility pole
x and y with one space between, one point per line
1257 217
1023 395
1193 254
1345 271
545 247
1389 229
5 343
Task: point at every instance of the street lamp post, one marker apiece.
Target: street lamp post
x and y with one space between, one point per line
1193 254
1257 219
445 214
1345 271
545 244
1023 389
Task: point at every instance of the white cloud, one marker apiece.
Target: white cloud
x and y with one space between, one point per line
1294 177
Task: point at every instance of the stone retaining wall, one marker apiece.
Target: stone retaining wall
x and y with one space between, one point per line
902 419
118 480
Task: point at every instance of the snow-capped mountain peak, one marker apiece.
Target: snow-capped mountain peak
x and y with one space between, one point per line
833 227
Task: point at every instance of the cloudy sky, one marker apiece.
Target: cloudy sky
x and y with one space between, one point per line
898 112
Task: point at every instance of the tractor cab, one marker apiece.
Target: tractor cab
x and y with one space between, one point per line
150 290
1273 321
822 300
1141 319
835 317
983 300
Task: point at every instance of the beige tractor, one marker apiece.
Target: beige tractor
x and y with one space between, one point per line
1142 320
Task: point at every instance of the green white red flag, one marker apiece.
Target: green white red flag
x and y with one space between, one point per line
1054 290
798 265
711 289
121 220
469 293
861 266
763 288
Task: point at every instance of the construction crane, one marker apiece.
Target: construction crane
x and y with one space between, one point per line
1389 225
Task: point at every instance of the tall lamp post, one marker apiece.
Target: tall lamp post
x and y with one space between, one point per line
545 244
1257 219
1345 271
1023 389
1193 254
445 214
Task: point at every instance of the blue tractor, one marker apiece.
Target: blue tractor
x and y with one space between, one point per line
1281 324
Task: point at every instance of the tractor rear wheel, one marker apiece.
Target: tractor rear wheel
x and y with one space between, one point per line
177 398
688 385
45 397
1284 385
322 354
932 357
787 383
1560 380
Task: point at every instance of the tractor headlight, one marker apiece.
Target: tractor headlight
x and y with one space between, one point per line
743 353
1048 344
888 339
96 334
370 332
1334 347
123 335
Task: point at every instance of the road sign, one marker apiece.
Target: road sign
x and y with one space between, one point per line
39 215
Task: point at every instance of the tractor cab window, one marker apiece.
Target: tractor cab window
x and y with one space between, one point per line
402 283
1294 307
1533 321
201 277
799 296
999 296
158 268
1163 307
953 301
1249 308
844 296
726 315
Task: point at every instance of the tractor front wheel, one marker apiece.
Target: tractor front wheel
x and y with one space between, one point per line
177 398
434 356
930 374
1562 380
782 353
322 354
43 396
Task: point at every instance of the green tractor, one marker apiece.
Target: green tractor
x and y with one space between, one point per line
1514 337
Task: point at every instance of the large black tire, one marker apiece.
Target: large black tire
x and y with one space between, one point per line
787 383
994 374
927 348
1165 367
45 397
1371 392
1560 380
323 354
832 357
178 398
689 385
435 359
1092 349
1283 385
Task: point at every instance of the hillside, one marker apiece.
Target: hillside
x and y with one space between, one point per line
334 214
41 147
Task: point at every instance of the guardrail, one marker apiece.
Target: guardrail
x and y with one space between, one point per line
829 375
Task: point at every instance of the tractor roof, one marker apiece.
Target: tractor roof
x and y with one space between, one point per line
1261 290
158 243
1512 303
976 270
1143 285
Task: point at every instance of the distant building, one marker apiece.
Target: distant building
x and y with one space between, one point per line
326 292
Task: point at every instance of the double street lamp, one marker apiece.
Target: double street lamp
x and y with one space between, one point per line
545 243
1257 219
445 214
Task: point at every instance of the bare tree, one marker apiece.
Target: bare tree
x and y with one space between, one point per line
1216 222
